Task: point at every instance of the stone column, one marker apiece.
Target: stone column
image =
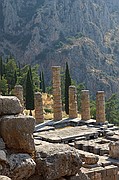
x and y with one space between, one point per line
38 107
85 105
18 92
72 102
57 106
100 107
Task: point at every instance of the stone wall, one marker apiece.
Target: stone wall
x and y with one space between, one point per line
103 173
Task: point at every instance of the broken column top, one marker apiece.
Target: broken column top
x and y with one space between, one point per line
56 67
38 93
19 86
85 91
73 87
100 92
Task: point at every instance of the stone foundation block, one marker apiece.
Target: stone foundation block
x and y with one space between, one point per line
16 131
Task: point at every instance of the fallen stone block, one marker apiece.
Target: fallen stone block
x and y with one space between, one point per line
3 157
57 160
10 105
2 144
114 150
22 166
88 158
17 132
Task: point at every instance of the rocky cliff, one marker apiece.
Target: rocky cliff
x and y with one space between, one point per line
82 32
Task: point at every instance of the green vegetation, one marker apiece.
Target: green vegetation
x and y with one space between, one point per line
111 108
67 84
42 82
12 73
64 40
29 91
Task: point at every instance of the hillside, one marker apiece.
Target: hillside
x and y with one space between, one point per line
85 33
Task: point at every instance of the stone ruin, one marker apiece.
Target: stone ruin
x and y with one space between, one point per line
59 149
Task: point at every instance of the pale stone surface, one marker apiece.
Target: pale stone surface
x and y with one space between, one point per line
85 105
4 178
57 160
2 144
57 105
18 92
90 159
3 157
79 176
38 107
10 105
21 166
100 107
16 131
114 150
72 102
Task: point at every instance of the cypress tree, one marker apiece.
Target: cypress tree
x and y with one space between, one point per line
40 81
30 73
1 68
43 83
67 84
29 92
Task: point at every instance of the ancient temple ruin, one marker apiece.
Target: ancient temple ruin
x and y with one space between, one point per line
60 149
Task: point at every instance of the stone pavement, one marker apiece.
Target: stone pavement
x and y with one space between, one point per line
93 140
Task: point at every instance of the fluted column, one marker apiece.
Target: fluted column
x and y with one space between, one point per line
85 105
18 92
100 107
72 102
57 106
38 107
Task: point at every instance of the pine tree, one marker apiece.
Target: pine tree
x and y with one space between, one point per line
43 83
29 92
67 84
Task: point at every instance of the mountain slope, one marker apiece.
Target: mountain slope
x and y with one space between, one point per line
82 32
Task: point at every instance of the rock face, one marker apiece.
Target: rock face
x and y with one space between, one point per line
54 161
10 105
17 130
83 33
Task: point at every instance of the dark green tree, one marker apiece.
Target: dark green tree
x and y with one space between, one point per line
67 84
43 83
1 68
10 68
15 77
112 109
40 77
3 86
29 92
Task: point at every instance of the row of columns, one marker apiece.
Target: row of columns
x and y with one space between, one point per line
57 107
85 101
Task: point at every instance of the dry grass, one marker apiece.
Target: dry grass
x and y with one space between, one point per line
48 104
